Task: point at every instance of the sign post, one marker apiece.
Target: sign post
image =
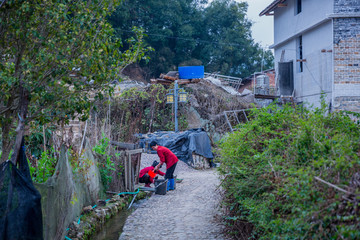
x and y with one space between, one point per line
175 96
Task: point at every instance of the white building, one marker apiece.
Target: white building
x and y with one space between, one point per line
317 50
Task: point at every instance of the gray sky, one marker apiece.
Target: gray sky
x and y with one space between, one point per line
263 28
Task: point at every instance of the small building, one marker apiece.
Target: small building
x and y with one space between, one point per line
262 85
317 50
248 82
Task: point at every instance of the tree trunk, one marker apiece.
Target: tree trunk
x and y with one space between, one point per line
6 127
6 142
23 106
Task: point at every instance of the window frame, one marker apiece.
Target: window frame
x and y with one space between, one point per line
300 53
298 6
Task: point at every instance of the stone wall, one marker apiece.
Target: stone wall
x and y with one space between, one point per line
347 56
93 219
346 6
347 50
348 103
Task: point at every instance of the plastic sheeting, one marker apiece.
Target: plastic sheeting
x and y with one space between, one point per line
182 144
67 192
20 202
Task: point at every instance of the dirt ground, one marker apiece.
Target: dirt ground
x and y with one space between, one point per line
189 212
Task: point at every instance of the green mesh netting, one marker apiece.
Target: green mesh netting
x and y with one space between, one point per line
65 193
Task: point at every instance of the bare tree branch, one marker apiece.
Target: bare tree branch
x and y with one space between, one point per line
2 3
333 186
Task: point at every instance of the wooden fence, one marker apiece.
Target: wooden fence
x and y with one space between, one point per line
127 167
132 167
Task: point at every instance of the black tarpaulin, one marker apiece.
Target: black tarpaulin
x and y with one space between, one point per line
20 202
182 144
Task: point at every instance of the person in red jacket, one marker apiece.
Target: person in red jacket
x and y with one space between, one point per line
169 158
148 174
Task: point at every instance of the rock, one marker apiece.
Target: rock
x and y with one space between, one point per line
101 202
87 209
80 235
115 198
74 226
100 216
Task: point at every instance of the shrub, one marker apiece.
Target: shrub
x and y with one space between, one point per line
105 164
277 171
45 166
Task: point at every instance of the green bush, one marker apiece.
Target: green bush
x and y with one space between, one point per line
106 165
45 166
269 168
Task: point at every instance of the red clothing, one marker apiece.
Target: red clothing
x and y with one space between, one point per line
167 156
147 169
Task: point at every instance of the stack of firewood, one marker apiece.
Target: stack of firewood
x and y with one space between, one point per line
170 77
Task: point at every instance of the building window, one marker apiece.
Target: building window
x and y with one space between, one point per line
298 6
300 53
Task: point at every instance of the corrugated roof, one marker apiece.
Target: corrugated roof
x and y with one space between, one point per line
271 7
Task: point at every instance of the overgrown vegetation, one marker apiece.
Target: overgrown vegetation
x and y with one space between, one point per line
106 165
140 110
135 110
44 167
79 163
292 173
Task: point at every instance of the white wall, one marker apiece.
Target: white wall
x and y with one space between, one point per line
317 70
287 23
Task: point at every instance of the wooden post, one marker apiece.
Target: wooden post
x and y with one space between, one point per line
131 170
132 175
138 161
126 171
128 163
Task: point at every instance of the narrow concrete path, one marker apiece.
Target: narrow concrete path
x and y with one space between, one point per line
189 212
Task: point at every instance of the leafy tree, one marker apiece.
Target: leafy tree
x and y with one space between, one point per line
232 50
163 21
182 32
54 54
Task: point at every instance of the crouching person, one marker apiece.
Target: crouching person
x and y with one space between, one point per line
169 158
148 174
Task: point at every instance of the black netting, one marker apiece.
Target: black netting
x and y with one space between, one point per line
20 202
